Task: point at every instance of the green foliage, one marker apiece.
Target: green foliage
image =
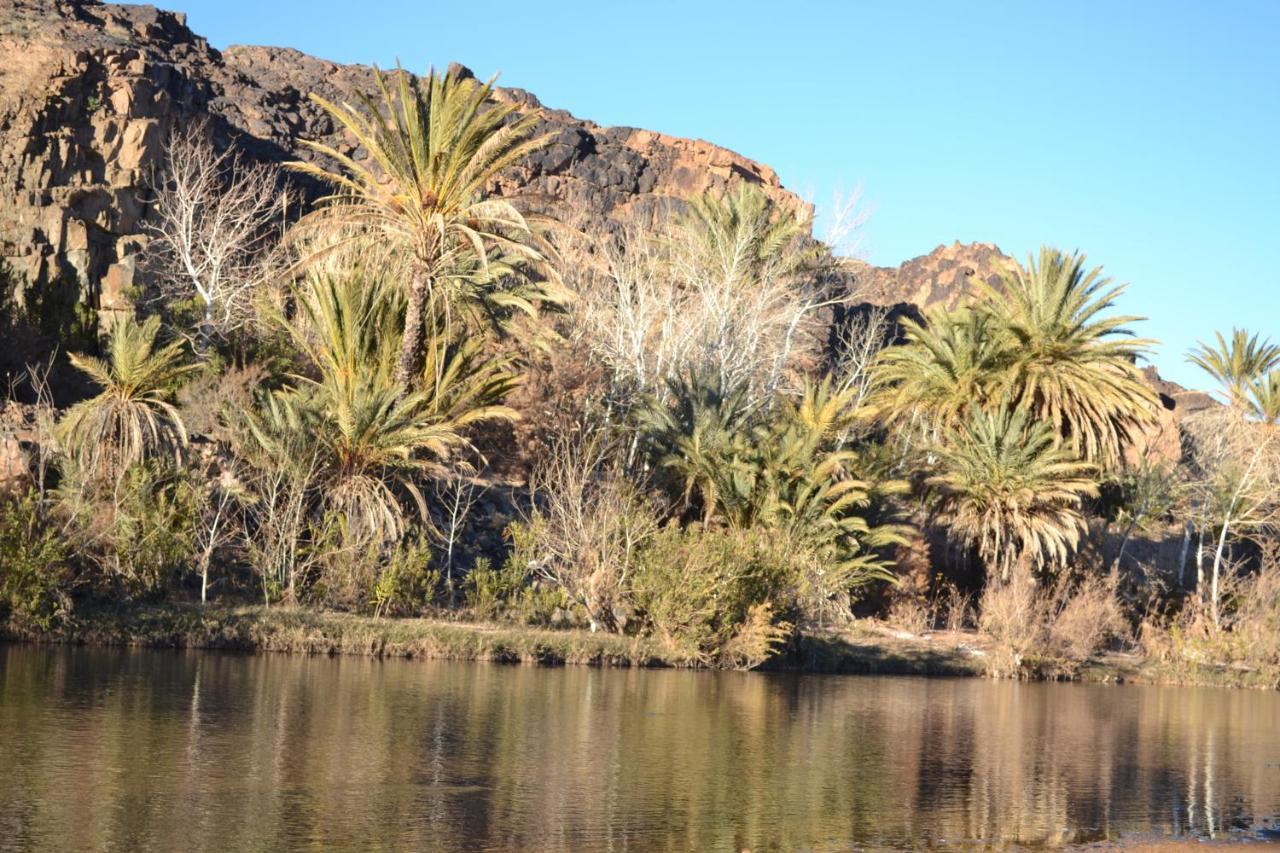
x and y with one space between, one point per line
1039 343
139 531
406 582
713 595
35 574
435 146
1237 365
1006 486
134 417
58 311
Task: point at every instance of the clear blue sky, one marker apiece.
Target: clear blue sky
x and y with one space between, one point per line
1143 133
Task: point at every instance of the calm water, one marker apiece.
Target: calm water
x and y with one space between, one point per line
145 750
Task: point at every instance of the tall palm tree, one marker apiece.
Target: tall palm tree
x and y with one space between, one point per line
435 147
742 236
1067 364
134 417
1006 485
1236 365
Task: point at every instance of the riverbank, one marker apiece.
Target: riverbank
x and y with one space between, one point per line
870 648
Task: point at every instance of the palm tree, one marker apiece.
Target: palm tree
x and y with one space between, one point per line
373 439
1236 365
780 471
742 236
1066 364
1007 486
1264 398
697 438
435 148
134 417
948 365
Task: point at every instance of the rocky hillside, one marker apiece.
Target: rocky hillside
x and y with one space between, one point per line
89 91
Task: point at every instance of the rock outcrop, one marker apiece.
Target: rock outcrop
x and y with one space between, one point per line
89 92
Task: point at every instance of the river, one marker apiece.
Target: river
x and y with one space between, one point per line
163 750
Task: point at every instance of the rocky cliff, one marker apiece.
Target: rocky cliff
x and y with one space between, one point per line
89 91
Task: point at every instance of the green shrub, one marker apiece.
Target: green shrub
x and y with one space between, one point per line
509 592
139 531
713 596
34 571
406 581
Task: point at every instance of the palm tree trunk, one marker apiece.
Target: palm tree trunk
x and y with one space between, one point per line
411 341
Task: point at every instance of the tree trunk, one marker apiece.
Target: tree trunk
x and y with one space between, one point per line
1217 564
1200 566
1182 558
410 356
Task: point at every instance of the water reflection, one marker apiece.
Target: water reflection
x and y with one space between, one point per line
166 751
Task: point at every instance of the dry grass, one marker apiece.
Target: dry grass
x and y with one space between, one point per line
298 631
1048 632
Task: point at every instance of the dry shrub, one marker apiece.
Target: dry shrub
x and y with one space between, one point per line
1248 634
1050 630
911 615
1010 618
206 399
1085 619
955 609
587 528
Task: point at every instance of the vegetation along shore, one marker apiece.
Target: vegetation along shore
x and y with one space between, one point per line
430 370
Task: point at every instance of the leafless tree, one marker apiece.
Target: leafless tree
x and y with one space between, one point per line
219 522
655 304
215 228
455 497
858 342
588 526
1234 488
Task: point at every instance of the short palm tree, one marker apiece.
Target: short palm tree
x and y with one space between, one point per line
1237 365
134 417
697 438
1067 364
1007 486
375 441
949 364
436 146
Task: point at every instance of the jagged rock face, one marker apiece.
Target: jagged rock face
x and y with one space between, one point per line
944 277
89 92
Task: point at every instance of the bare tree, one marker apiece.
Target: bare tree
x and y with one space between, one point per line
455 497
1234 485
655 304
219 522
588 525
214 231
